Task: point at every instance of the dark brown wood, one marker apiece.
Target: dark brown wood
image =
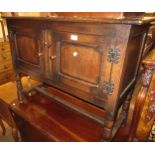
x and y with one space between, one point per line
126 106
41 119
87 58
76 104
144 107
149 42
98 15
101 17
2 126
6 116
19 88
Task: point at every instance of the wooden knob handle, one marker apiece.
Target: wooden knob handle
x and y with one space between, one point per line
40 54
52 57
47 44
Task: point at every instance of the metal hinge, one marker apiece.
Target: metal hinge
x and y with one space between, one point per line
114 55
108 87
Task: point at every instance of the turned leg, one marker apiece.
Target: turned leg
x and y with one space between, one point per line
107 131
19 88
3 127
125 107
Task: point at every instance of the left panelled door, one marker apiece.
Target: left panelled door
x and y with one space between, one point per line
28 49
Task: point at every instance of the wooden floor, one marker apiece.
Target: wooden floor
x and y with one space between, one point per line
8 93
8 136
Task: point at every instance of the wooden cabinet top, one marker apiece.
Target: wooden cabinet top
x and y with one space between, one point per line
135 20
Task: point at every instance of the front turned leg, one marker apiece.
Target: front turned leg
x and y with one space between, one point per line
19 88
107 131
125 107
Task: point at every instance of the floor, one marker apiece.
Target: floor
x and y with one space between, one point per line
8 136
11 87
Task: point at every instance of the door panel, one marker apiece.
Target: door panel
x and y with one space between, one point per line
75 60
27 48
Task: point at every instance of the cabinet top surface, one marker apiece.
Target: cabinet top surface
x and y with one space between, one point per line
135 21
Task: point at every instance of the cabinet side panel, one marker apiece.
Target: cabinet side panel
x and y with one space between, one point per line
132 60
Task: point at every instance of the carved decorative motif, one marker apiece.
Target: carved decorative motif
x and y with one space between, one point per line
151 108
147 77
150 112
108 87
114 55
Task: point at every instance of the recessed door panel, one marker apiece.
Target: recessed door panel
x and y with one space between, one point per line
80 62
28 50
76 62
27 47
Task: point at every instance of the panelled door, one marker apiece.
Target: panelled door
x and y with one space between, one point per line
76 62
28 49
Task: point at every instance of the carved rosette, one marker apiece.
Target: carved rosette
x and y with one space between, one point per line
108 87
